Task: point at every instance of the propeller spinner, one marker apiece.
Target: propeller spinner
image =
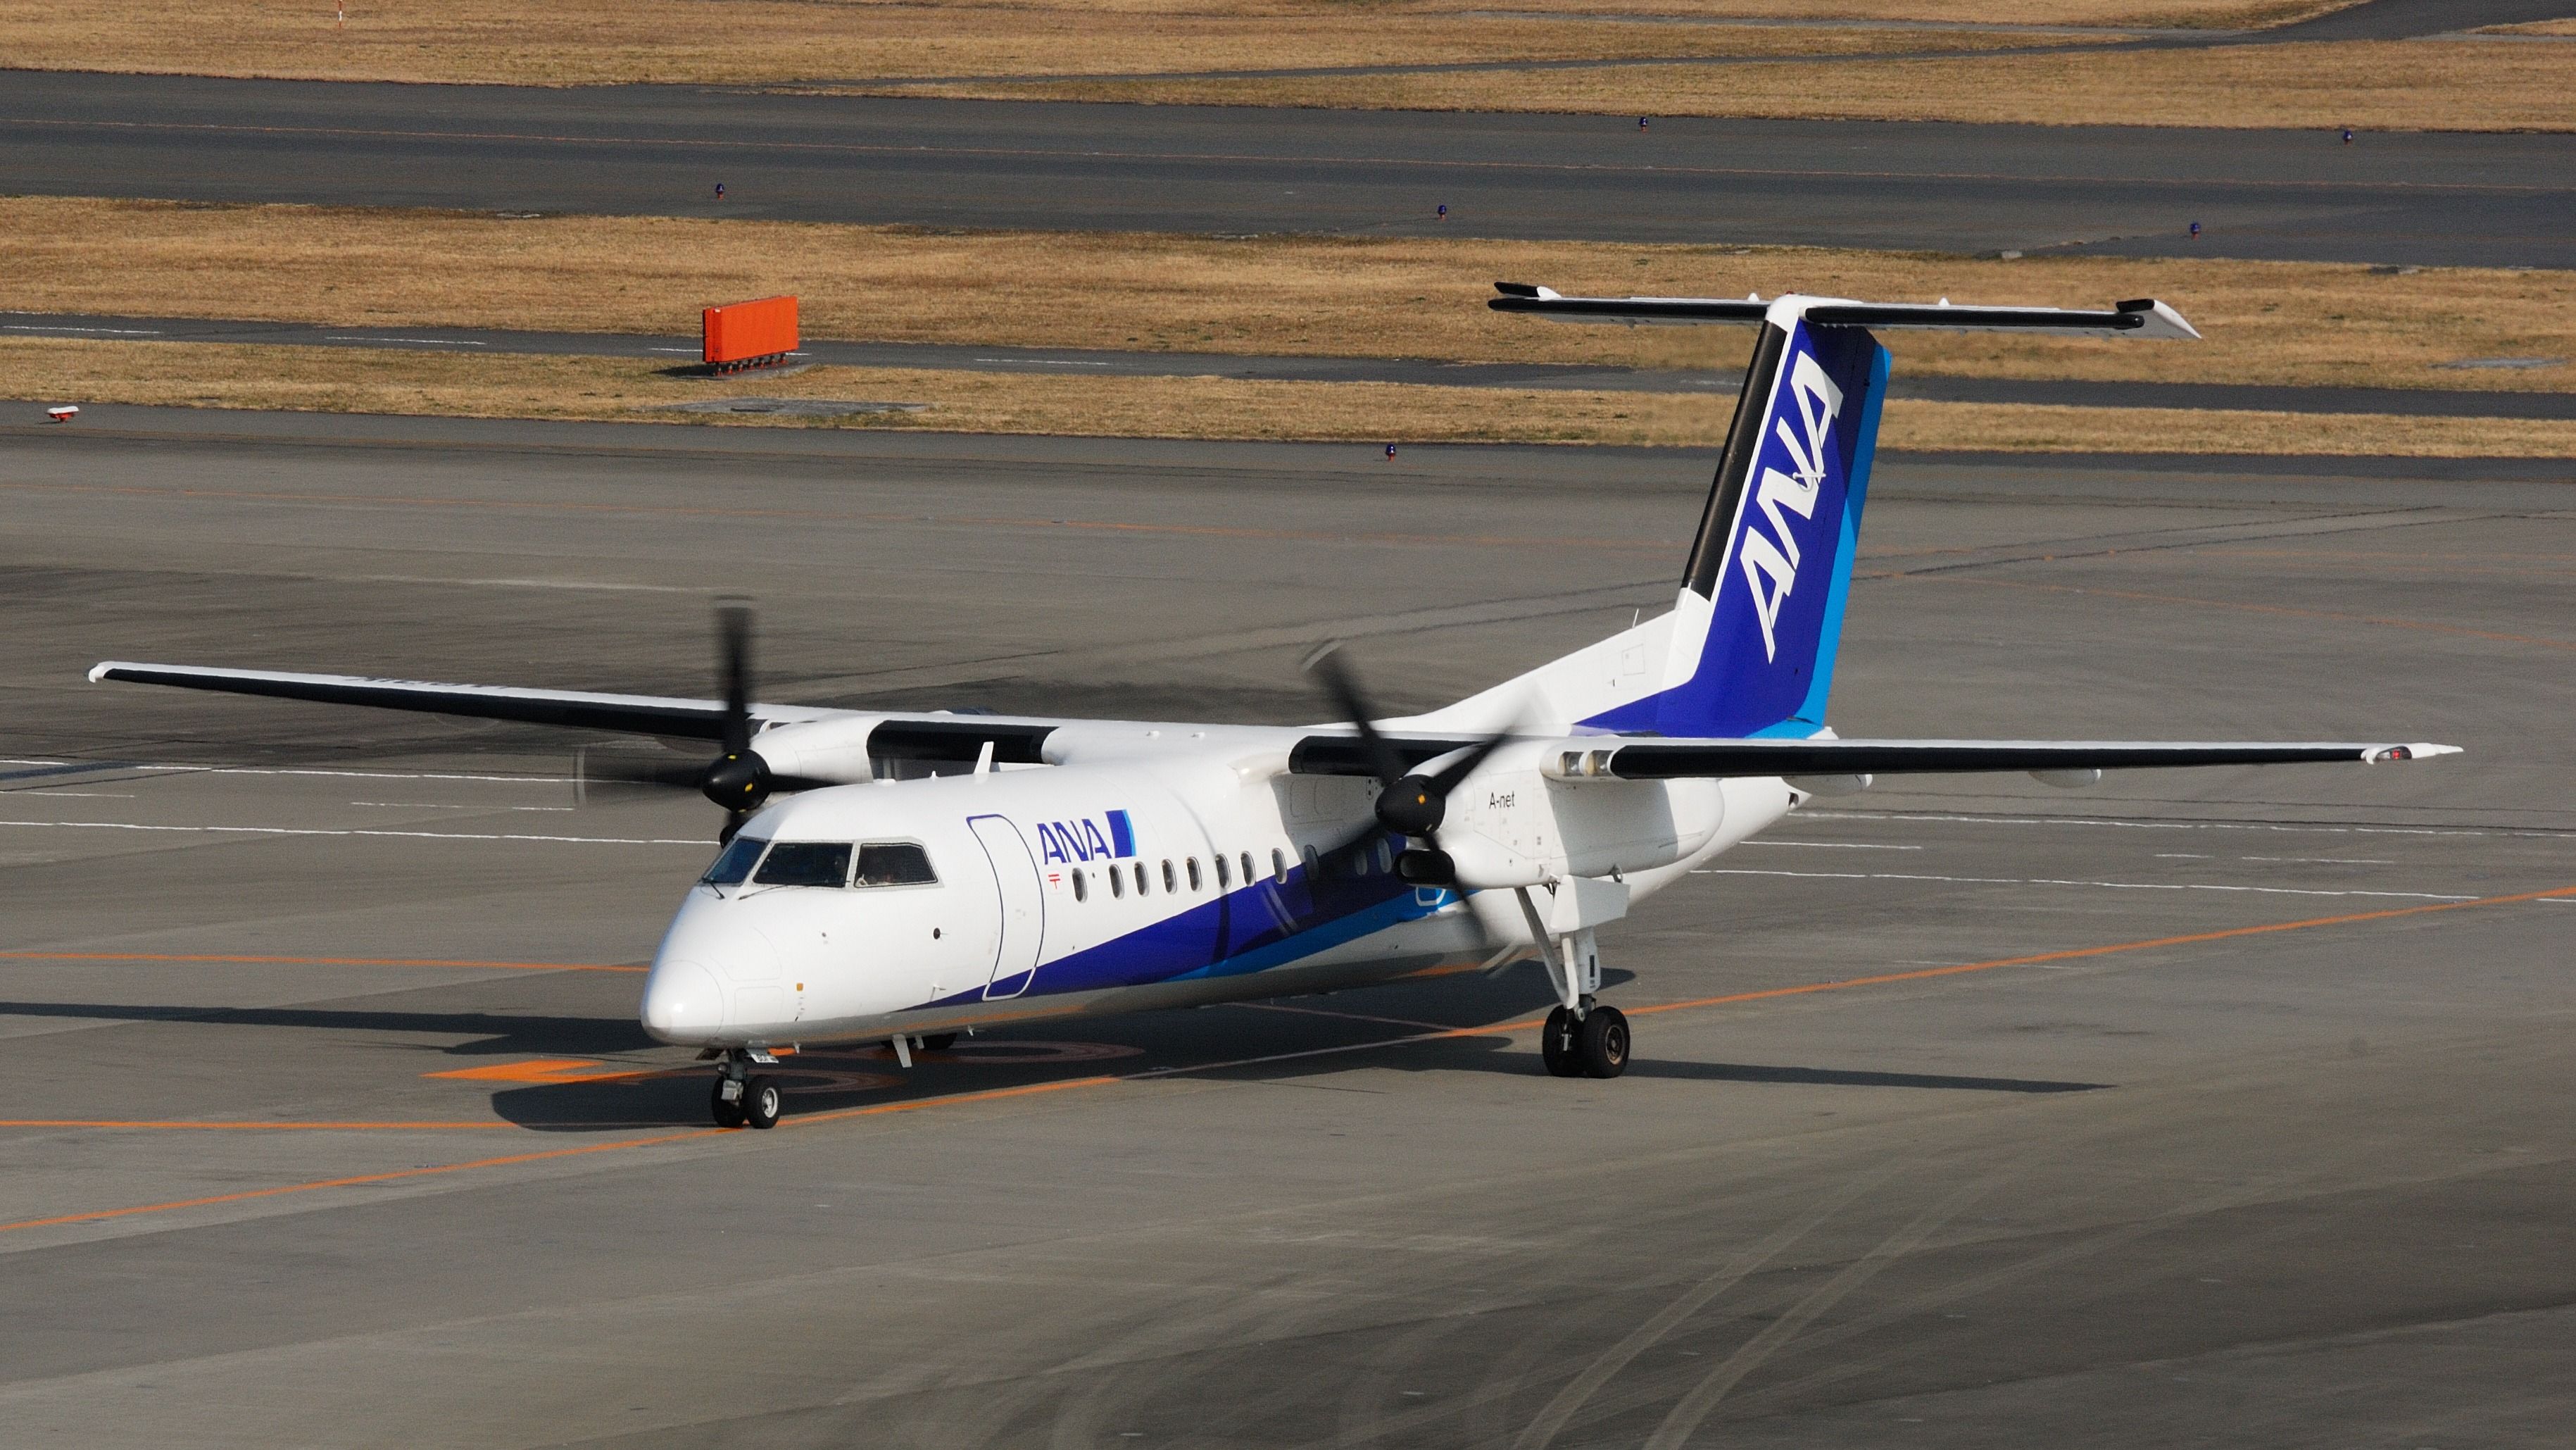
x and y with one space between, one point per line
1409 803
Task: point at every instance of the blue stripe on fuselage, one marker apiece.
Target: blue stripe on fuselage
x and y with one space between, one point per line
1249 929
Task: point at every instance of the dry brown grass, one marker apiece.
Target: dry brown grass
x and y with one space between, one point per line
2424 85
2266 322
310 379
2534 27
582 42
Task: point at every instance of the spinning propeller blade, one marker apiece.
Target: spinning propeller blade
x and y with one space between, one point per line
1409 804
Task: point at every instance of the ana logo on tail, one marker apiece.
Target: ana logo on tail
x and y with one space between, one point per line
1771 564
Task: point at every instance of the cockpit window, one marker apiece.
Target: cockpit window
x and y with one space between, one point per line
733 867
805 863
894 863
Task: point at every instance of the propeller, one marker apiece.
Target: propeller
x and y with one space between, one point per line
737 780
1409 803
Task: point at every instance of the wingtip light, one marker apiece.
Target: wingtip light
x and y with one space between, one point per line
2419 751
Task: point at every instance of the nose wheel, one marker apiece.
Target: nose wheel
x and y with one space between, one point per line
741 1101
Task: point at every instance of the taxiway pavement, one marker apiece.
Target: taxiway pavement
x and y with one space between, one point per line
676 352
2222 1109
2400 199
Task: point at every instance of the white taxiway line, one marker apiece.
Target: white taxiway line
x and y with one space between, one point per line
700 843
1835 845
2048 881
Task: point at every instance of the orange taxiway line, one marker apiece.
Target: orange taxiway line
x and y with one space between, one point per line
2068 955
175 1123
953 1099
98 1215
1033 1089
313 961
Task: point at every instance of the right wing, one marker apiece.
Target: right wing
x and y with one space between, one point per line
632 714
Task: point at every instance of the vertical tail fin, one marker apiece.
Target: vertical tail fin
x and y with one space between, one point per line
1751 647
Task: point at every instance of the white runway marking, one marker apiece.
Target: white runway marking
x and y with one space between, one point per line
1836 845
428 805
2048 881
416 835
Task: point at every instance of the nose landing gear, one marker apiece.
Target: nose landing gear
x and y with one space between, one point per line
741 1100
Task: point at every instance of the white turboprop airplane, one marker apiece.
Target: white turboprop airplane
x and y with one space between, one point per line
919 875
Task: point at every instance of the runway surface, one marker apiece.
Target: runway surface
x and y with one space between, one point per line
681 352
2411 199
2222 1109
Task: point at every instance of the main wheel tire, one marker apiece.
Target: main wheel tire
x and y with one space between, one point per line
762 1102
939 1042
1602 1042
1556 1044
728 1114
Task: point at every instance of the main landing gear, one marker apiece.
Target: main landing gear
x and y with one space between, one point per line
1592 1045
1582 1038
742 1098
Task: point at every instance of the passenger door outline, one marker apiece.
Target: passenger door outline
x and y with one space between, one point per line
1021 902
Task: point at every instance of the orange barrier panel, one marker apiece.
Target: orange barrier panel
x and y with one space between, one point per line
749 334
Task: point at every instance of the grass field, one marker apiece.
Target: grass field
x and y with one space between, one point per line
578 42
2426 85
312 379
2265 322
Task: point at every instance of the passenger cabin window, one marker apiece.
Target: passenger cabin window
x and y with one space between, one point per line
1385 855
895 863
733 865
1194 873
1081 890
1247 868
1117 882
805 863
1140 878
1170 883
1278 866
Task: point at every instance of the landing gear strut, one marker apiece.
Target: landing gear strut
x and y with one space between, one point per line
1581 1038
742 1099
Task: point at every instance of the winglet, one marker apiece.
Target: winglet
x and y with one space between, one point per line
100 671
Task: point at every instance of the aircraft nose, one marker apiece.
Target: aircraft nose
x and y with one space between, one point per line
682 1003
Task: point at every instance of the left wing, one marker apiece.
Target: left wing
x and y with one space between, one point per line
1633 759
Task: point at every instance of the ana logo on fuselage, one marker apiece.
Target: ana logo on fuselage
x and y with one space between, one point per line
1081 840
1771 560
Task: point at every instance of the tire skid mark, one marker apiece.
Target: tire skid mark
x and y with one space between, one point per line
1703 1398
1552 1419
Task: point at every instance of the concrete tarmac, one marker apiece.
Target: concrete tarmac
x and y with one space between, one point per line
2221 1108
2397 199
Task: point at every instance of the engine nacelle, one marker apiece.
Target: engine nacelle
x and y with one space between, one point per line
834 751
1511 825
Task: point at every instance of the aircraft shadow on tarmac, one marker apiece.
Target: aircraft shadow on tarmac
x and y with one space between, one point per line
1299 1041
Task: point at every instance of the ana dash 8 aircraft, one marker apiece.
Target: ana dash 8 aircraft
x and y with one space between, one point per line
906 877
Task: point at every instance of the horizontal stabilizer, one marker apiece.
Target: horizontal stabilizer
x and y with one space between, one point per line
1703 759
2145 317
